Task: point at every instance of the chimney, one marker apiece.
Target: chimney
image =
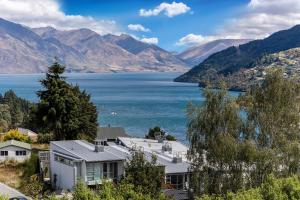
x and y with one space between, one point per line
99 145
177 158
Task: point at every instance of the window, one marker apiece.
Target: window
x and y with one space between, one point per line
63 160
20 153
110 170
175 180
93 171
3 153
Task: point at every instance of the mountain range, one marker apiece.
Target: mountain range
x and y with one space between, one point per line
230 63
26 50
197 54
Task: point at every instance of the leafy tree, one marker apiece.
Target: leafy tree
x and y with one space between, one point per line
5 117
146 176
64 109
157 131
14 134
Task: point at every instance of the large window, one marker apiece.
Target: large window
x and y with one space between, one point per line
20 153
110 170
63 160
93 171
176 180
3 153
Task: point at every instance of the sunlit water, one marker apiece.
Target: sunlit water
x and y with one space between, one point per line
135 101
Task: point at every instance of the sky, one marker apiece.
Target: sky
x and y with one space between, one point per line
171 24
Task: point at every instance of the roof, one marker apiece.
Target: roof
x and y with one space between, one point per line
27 132
164 158
15 143
80 149
110 133
10 192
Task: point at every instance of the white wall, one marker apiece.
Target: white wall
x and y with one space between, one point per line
65 178
12 154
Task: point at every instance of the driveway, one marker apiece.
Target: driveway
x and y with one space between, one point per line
10 192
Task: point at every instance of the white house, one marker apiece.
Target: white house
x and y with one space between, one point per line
14 150
75 160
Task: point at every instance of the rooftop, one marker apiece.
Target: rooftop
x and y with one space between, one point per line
82 150
15 143
110 133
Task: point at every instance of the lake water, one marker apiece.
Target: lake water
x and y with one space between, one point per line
135 101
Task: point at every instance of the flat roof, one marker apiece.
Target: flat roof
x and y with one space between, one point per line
81 149
164 158
15 143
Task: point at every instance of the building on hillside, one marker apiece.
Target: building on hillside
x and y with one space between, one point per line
110 133
14 150
170 154
75 160
32 135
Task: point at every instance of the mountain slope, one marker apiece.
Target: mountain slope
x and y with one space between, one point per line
235 59
195 55
25 50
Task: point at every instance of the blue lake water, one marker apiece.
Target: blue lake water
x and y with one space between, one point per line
135 101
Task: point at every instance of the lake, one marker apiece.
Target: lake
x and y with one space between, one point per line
135 101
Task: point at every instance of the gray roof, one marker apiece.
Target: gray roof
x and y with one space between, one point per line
110 133
15 143
80 149
10 192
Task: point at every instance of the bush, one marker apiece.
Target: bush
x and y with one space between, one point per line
14 134
45 138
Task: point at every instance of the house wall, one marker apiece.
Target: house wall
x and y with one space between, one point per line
12 154
65 174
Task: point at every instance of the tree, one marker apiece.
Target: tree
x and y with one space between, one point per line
213 131
5 117
155 132
146 176
64 109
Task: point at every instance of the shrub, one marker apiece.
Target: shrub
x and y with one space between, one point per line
14 134
45 138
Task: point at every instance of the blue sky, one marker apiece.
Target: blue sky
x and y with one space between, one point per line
172 24
203 18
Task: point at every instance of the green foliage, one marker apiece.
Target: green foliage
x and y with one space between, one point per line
33 187
236 143
3 197
146 176
14 134
157 131
31 166
64 109
109 191
45 138
5 117
271 189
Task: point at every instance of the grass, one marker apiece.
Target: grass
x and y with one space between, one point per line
10 174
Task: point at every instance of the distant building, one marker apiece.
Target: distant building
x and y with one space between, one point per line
170 154
75 160
32 135
110 133
14 150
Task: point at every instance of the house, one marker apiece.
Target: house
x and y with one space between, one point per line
75 160
110 133
170 154
32 135
14 150
11 193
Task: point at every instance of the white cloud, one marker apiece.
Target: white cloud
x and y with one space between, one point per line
41 13
260 19
167 9
138 27
192 39
152 40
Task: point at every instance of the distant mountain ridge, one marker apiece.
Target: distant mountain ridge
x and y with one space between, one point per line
197 54
234 59
25 50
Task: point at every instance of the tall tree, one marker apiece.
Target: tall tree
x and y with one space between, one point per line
64 109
